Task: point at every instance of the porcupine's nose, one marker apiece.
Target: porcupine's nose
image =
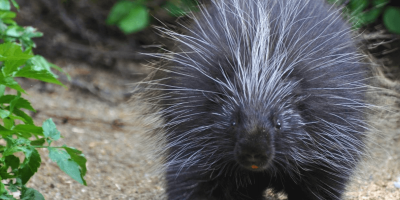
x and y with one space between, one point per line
254 155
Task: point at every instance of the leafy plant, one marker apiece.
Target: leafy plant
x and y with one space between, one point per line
20 137
364 12
391 19
129 16
134 15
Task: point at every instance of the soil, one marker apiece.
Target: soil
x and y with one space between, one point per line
98 121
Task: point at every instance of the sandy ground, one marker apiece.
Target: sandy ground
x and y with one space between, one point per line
118 162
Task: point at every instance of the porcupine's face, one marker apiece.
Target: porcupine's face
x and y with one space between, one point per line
255 137
260 114
265 133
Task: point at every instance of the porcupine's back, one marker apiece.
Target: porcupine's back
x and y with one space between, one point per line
292 58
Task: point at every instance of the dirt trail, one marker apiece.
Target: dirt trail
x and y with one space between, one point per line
118 165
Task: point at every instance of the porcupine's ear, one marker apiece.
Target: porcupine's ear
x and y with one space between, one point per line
297 94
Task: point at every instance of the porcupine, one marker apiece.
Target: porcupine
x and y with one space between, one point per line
260 94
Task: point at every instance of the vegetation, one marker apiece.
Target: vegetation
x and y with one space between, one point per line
133 16
364 12
19 136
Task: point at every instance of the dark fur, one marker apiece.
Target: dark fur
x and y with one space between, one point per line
305 134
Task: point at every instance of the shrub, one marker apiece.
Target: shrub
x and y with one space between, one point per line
20 137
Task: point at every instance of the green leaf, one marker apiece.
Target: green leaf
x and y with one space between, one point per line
78 157
12 187
358 6
39 63
50 130
120 10
25 118
14 31
38 142
379 3
13 102
11 83
5 5
9 39
136 20
370 16
5 175
3 26
19 102
14 57
11 51
18 145
2 90
391 18
14 149
30 32
2 189
4 131
43 75
15 117
15 4
5 14
4 113
29 51
9 22
12 161
6 196
30 194
8 122
181 7
64 161
29 128
30 166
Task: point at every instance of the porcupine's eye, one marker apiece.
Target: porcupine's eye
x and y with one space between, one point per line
235 120
278 124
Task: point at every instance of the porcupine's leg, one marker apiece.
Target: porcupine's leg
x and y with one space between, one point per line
318 184
192 186
185 184
228 190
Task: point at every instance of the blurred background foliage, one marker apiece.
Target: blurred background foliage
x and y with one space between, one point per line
107 32
133 16
361 13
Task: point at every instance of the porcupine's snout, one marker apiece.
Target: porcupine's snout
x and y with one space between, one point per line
255 151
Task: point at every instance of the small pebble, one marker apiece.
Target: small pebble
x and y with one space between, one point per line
397 184
78 130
